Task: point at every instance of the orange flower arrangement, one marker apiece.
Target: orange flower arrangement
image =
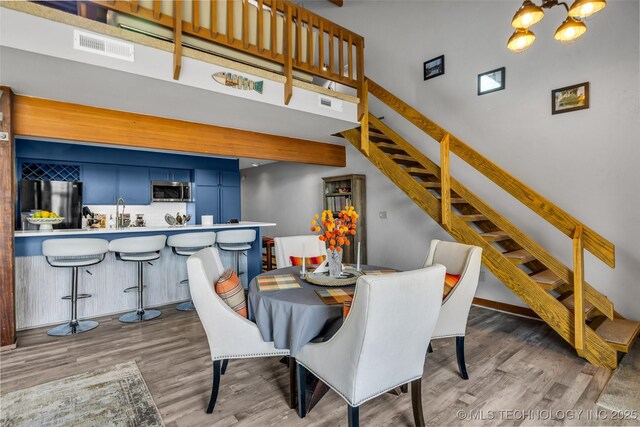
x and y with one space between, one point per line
336 231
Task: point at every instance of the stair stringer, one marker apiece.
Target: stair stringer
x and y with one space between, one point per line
556 315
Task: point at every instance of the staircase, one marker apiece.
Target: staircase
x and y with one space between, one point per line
561 297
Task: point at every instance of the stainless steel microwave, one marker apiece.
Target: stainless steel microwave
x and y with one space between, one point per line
166 191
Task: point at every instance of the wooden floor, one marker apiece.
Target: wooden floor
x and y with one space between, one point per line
514 364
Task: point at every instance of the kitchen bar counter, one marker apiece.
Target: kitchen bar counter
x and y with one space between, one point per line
29 242
39 286
90 232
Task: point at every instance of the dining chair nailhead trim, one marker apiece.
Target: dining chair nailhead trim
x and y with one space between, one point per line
247 356
380 393
447 336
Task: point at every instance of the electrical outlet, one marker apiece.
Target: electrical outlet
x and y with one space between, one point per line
482 275
382 214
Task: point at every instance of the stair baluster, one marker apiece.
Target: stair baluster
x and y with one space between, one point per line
578 290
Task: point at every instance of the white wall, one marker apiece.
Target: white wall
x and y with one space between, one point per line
586 161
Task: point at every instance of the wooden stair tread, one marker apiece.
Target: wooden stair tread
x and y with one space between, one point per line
519 257
619 333
404 159
473 218
495 236
378 134
547 280
428 184
417 171
568 301
388 147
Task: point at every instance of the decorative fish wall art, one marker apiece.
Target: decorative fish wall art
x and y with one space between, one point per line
238 82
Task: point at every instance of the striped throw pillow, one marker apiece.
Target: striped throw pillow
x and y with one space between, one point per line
450 281
310 260
229 288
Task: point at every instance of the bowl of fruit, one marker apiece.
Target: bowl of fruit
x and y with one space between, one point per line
45 219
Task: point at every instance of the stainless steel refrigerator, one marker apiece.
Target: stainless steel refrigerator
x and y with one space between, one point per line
63 198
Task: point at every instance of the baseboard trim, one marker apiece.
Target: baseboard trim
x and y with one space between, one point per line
506 308
8 347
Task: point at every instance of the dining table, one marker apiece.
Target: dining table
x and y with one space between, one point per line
294 317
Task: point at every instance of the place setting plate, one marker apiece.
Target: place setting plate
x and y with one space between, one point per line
349 276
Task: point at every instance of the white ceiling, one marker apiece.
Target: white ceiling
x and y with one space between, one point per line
48 77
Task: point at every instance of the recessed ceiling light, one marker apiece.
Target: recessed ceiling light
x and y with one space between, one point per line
255 165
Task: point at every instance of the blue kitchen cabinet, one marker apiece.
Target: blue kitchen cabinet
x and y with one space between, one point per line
207 177
172 175
159 174
229 203
230 179
181 175
207 202
99 184
133 185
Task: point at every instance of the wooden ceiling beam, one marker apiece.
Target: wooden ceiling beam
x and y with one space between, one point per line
43 118
337 2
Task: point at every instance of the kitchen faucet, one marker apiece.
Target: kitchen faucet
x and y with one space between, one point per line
119 220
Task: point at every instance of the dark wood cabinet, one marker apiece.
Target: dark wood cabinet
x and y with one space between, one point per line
349 190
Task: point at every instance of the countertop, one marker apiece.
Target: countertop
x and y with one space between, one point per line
97 231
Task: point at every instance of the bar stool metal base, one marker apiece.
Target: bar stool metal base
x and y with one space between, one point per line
136 317
71 329
140 315
185 306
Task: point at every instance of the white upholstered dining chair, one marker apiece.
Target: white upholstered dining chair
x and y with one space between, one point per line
383 342
230 335
465 261
286 247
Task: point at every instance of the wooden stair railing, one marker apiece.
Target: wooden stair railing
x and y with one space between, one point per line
572 307
332 52
593 242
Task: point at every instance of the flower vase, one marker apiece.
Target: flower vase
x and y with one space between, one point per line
334 259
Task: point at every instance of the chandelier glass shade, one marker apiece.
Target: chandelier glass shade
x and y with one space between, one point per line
583 9
570 30
520 40
528 15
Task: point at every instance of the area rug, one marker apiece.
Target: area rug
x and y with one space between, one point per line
623 391
114 396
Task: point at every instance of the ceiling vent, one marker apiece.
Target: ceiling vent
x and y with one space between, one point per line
331 103
99 45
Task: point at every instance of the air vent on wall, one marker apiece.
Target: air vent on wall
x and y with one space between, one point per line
99 45
332 103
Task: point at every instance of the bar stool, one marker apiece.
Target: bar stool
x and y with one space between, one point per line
187 244
138 250
236 241
74 253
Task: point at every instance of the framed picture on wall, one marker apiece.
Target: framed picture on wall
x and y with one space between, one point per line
434 67
491 81
570 98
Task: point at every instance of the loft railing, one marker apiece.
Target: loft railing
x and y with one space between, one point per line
278 31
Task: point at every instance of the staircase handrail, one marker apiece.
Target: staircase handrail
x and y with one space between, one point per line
602 248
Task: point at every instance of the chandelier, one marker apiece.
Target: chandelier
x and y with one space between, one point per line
570 30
